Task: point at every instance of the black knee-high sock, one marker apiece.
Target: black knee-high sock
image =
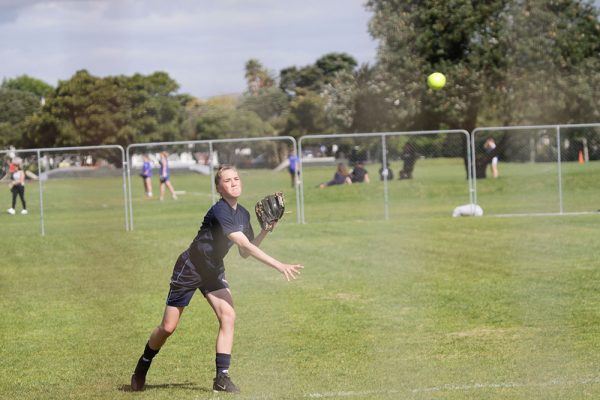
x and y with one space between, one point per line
145 360
222 361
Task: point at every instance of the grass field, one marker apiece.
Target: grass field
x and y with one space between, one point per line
421 306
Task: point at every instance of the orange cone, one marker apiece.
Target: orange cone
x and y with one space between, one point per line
581 157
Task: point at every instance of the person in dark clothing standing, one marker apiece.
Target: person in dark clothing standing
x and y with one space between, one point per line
17 188
201 267
409 156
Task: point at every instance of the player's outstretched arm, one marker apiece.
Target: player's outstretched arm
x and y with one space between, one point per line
257 240
247 248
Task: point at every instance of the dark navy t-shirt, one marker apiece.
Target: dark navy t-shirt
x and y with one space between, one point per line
211 244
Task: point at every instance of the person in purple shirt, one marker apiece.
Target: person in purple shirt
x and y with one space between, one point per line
165 177
201 267
147 175
293 167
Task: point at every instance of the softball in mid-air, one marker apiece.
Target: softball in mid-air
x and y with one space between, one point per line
436 80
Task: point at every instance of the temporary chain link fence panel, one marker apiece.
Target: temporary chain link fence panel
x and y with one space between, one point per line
536 170
412 173
580 160
77 187
541 170
261 162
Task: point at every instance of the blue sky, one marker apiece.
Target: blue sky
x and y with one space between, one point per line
201 44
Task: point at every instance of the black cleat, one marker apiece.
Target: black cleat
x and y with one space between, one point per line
223 383
138 382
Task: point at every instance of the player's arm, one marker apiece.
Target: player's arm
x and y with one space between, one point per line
257 241
247 248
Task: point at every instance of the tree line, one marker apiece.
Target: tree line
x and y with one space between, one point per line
508 62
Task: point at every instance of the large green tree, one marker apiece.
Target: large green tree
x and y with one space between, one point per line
552 66
355 103
16 107
314 76
89 110
268 103
310 90
463 39
507 62
222 118
28 84
257 76
308 115
20 99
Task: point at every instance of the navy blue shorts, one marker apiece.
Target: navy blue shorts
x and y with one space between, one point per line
186 279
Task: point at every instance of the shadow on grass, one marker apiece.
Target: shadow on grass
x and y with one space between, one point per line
185 386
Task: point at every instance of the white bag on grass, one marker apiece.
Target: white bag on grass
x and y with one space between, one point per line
468 210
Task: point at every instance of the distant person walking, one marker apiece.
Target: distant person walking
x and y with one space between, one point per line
147 175
17 188
490 148
165 179
293 167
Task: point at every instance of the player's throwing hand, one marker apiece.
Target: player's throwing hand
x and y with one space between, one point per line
290 271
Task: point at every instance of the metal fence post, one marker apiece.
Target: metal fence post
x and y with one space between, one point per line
124 168
41 195
386 211
558 159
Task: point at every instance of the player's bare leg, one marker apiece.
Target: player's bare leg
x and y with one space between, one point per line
161 333
158 337
171 189
162 191
494 170
148 187
221 302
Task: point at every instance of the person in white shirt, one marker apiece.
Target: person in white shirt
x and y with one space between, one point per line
17 187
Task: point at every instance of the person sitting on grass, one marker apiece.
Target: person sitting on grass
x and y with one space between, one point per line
386 173
359 173
341 176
